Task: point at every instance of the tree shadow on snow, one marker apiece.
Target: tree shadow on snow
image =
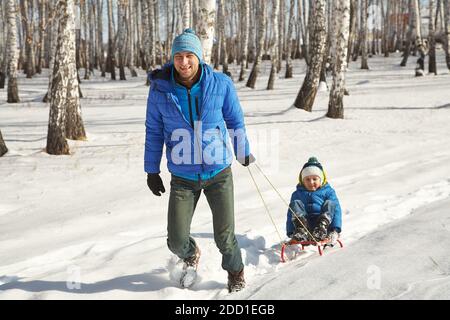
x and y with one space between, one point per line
144 282
254 248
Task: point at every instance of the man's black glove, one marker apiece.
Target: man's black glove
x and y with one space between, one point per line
155 183
247 160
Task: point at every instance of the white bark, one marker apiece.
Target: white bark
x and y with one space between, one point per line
274 44
205 27
186 14
364 64
261 35
431 40
11 13
122 24
245 16
64 65
307 94
447 32
3 148
289 71
342 32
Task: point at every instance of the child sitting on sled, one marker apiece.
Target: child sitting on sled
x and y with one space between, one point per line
315 207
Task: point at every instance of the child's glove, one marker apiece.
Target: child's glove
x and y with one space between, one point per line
333 236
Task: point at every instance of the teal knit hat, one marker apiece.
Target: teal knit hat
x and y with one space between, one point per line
188 41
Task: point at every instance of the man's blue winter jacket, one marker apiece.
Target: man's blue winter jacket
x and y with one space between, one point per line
313 202
193 147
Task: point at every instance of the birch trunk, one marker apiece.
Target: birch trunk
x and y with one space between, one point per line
41 46
74 127
431 41
274 45
205 27
307 94
30 68
387 27
420 67
3 46
222 40
92 46
11 14
261 34
64 65
410 33
53 43
111 59
245 9
121 11
3 148
364 64
87 68
100 49
342 31
447 32
131 36
146 41
289 69
151 30
186 14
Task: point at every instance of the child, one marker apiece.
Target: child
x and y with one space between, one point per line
315 205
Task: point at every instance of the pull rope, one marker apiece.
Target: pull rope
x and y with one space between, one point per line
265 205
281 197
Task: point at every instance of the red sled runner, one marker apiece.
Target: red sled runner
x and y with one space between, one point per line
320 245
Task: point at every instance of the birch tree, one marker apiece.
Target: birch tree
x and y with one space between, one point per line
52 45
364 63
431 40
261 34
84 21
3 148
3 46
274 44
131 37
186 14
245 16
41 46
99 43
151 29
27 21
111 59
289 72
205 27
64 65
11 14
342 31
387 26
122 23
420 67
447 32
145 35
307 94
410 33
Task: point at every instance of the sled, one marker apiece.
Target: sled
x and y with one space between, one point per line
321 245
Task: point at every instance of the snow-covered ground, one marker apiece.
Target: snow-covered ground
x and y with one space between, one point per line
85 226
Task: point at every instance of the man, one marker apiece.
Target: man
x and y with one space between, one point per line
187 110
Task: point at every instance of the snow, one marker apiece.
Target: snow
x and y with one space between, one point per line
85 226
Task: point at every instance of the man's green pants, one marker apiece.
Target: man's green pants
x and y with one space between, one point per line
184 195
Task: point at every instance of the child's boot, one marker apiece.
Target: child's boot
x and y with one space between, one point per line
321 230
301 228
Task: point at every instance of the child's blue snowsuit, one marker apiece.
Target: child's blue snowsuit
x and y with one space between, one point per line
312 204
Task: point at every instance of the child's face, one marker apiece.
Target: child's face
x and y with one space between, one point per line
312 183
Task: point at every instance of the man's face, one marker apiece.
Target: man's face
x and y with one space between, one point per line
186 64
312 183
